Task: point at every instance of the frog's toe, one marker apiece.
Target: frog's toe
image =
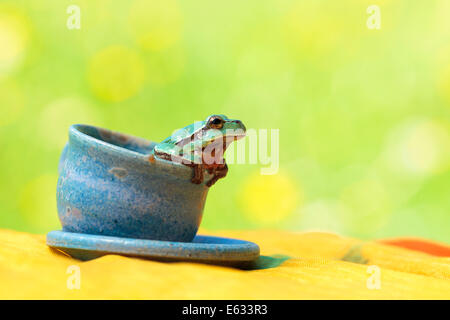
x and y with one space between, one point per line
212 181
196 180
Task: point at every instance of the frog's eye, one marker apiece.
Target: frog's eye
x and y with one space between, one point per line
216 123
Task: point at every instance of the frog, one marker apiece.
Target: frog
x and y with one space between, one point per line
201 146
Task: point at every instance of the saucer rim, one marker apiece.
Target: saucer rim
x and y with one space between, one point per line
216 249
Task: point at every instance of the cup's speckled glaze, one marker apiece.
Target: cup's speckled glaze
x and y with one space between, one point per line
108 186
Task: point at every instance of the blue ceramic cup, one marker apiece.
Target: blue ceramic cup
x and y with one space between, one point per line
109 185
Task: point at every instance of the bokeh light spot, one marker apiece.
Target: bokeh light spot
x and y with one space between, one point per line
14 34
322 215
313 29
165 67
268 199
12 102
37 202
420 147
369 206
116 73
156 25
58 116
444 78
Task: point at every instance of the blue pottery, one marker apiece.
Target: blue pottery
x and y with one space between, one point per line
109 185
206 249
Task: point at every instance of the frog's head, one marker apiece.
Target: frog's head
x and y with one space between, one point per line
219 127
217 133
208 139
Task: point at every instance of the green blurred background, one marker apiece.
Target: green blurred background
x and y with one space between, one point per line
363 114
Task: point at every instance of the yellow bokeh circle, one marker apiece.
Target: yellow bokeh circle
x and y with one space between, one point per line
116 73
14 35
156 25
312 29
269 199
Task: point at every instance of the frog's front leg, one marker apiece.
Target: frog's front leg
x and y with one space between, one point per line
195 160
219 172
198 173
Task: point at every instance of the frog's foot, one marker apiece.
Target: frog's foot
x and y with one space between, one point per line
198 174
219 172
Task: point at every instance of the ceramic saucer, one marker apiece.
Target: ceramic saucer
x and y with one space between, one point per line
207 249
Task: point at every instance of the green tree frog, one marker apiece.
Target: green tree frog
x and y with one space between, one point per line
201 146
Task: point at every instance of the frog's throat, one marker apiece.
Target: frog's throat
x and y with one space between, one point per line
175 158
218 143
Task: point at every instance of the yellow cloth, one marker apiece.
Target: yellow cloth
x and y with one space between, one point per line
316 270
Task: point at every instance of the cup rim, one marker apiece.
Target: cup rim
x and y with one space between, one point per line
173 168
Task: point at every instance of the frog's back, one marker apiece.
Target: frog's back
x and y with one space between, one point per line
185 133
